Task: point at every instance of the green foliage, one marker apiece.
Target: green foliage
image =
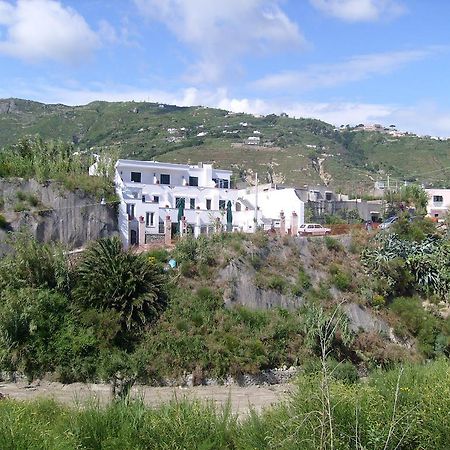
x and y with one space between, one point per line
196 250
32 157
431 332
340 278
343 371
303 282
406 265
35 265
389 411
29 319
333 244
197 333
109 278
356 154
406 408
4 224
413 228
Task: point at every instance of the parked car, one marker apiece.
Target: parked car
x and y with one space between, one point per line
313 229
388 223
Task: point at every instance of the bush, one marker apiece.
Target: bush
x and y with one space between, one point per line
342 280
20 207
420 323
302 284
333 244
21 196
4 224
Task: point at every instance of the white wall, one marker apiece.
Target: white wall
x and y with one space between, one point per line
272 202
438 209
179 173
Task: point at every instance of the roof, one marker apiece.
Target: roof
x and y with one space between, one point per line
163 165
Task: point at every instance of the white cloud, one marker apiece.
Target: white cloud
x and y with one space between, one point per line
360 10
36 30
353 69
222 31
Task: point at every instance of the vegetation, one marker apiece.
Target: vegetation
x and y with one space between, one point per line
402 408
121 317
141 130
32 157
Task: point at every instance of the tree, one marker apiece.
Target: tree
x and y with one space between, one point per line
29 320
36 265
110 278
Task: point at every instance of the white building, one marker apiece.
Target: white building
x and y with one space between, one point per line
438 203
150 191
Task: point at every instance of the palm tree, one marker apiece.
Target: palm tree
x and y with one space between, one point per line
110 278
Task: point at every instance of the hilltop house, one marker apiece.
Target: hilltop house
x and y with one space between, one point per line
151 192
438 203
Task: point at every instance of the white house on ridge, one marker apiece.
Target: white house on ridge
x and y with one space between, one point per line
150 192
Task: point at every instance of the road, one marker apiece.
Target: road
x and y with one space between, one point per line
242 398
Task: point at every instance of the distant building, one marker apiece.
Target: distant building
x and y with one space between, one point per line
438 203
253 140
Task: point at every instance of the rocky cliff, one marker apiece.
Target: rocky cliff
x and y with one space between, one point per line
51 213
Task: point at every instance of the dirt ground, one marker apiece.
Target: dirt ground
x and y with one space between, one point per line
242 398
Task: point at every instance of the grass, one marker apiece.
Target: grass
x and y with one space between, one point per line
403 408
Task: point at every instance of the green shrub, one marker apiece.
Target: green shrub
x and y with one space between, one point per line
256 261
20 207
431 332
4 224
341 279
333 244
302 284
32 200
277 283
21 196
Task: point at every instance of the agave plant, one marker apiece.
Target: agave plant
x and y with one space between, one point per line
427 261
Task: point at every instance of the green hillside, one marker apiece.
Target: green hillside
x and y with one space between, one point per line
292 151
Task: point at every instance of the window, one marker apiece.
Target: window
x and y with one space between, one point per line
221 183
192 203
156 198
208 203
130 210
438 198
136 177
179 201
143 199
238 206
193 181
328 196
164 178
222 204
149 219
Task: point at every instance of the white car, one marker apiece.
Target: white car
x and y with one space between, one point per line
388 223
313 229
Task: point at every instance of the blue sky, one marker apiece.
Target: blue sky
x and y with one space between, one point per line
343 61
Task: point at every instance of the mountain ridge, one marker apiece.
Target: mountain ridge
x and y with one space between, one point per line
283 150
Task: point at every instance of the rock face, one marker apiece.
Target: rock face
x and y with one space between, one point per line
241 290
72 218
362 320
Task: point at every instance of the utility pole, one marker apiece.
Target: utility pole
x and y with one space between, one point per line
256 201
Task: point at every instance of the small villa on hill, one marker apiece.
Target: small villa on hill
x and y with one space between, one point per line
197 199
